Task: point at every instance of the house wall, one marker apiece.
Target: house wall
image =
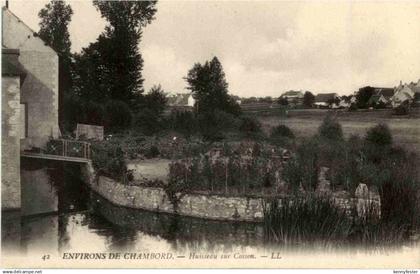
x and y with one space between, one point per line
40 88
10 143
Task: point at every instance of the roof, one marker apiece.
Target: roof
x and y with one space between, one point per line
415 87
324 97
386 92
33 34
10 65
292 93
179 99
374 98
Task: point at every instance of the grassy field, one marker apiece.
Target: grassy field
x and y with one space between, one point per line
305 123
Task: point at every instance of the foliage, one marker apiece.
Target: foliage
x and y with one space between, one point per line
110 68
117 116
231 171
81 111
318 221
353 107
250 126
152 152
379 135
184 122
55 17
108 159
209 88
216 124
308 99
402 109
330 129
306 220
282 101
149 112
363 96
302 170
282 135
282 131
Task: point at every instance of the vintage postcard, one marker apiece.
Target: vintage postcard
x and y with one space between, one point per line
210 134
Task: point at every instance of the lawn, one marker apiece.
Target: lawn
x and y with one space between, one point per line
305 123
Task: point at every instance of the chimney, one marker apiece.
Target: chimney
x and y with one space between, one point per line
7 4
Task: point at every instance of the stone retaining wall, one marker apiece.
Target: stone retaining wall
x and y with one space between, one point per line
213 207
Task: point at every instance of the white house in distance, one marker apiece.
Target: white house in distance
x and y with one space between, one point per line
181 101
405 93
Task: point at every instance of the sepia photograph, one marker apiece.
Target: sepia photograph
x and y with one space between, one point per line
210 134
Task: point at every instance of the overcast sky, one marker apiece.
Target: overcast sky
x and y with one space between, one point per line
268 47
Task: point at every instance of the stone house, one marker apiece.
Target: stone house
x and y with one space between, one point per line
29 99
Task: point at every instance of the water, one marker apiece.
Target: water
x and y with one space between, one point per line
60 214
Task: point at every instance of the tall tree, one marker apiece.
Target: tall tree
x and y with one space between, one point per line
119 53
308 99
363 96
55 17
209 87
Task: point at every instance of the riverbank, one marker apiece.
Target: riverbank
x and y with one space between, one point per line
206 206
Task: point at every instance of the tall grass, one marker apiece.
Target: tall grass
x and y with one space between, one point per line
302 221
317 221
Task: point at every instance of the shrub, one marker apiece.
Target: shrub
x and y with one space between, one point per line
330 129
282 131
148 121
281 135
152 152
353 107
379 135
184 122
108 159
402 109
250 126
118 116
302 170
214 125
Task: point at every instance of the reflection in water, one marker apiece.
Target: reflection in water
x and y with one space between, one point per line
183 233
85 222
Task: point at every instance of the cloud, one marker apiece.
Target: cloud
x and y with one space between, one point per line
268 47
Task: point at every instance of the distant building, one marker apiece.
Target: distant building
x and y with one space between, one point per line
325 100
381 96
376 100
29 100
407 93
181 101
294 98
